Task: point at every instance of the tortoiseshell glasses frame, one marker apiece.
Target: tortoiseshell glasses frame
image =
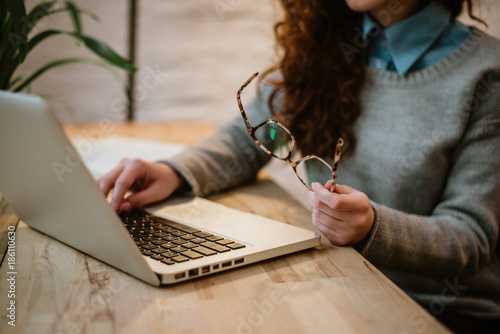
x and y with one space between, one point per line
252 130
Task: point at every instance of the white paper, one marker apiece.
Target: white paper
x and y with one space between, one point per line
103 155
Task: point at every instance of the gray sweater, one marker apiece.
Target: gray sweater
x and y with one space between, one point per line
428 157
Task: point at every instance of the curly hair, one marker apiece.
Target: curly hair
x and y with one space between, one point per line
319 88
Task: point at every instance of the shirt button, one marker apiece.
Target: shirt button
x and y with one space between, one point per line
379 64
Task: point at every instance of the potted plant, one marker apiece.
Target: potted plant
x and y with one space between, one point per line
17 40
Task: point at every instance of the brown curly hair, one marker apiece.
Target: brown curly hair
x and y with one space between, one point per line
319 88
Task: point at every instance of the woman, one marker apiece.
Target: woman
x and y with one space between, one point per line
416 97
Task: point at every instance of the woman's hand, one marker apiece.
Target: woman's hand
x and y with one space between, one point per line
153 182
344 216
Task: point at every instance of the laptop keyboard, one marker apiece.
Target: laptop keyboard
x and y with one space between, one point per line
171 242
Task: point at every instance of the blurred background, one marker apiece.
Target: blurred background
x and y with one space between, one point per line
192 57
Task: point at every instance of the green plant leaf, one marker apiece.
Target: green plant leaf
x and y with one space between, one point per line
14 81
5 43
100 48
74 13
45 9
66 61
39 12
90 14
19 36
106 52
9 56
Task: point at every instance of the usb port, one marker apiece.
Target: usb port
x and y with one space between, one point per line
239 261
205 270
193 272
179 276
216 266
226 264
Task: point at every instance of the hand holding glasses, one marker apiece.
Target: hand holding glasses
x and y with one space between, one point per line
277 141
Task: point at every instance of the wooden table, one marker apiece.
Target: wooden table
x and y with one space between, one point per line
324 290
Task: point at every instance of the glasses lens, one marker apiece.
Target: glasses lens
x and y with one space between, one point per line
275 139
314 170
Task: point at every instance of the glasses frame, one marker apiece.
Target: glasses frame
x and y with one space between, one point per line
252 129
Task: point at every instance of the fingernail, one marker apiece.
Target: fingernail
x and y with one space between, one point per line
125 206
313 185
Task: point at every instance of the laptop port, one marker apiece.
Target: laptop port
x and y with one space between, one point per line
215 266
239 261
205 270
179 276
193 272
226 264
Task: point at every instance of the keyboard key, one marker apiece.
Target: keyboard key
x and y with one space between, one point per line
146 252
170 238
197 240
204 250
179 241
169 254
203 234
178 249
185 228
190 245
214 238
215 247
149 237
160 234
168 245
145 220
157 257
159 250
149 246
235 245
158 241
191 254
188 236
138 233
176 225
178 233
157 226
141 242
180 258
224 241
168 229
168 261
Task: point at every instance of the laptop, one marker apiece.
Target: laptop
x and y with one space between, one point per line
50 189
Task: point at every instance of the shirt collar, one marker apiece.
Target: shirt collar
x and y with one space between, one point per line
410 39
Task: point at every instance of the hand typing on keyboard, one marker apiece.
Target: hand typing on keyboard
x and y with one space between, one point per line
152 182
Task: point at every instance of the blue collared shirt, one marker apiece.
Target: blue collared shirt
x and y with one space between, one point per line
415 43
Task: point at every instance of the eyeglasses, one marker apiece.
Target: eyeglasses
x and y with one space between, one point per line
277 141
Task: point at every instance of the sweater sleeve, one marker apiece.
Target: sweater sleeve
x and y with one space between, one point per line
462 233
228 158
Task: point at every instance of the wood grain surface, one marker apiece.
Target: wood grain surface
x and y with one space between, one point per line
328 289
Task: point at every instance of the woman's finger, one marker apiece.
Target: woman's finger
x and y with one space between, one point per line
126 179
106 182
148 195
330 233
319 205
336 201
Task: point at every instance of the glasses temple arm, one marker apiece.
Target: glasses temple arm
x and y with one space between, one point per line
240 105
336 159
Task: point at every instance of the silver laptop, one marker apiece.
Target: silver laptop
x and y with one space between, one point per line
50 189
